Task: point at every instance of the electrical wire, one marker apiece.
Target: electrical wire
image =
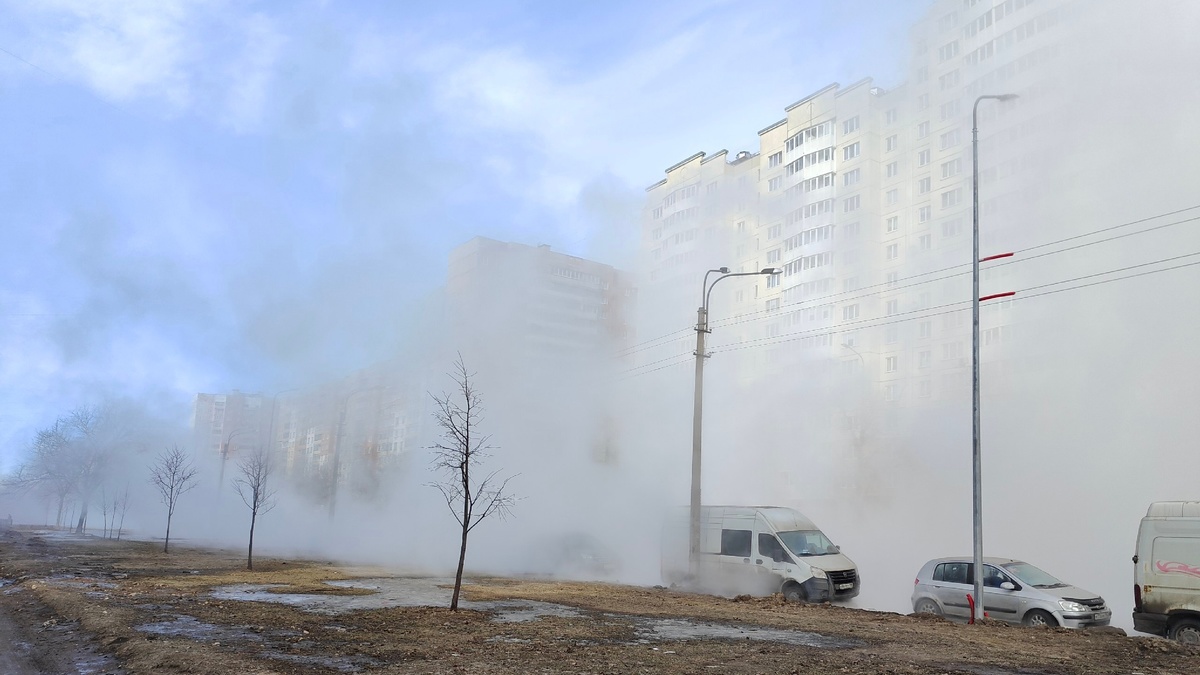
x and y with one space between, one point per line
755 316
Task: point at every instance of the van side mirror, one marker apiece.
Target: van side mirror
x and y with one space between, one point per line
1135 559
1008 586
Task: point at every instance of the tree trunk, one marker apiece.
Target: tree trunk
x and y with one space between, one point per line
462 558
167 540
250 551
62 499
79 528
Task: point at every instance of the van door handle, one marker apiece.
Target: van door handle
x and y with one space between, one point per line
758 562
745 560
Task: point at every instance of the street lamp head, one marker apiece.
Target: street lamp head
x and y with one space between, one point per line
723 270
771 270
1006 97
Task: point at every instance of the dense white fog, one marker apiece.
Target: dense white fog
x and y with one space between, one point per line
1095 418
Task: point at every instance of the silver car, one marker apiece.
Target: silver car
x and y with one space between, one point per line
1013 591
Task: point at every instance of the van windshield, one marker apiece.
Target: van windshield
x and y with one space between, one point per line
807 542
1032 575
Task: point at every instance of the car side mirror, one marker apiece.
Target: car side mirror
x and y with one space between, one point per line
1008 586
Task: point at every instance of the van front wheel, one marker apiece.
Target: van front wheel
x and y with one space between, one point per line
793 593
1186 631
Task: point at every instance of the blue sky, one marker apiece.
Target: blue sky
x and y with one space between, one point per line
199 196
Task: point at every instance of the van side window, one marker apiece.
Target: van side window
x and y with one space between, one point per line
769 547
735 542
953 573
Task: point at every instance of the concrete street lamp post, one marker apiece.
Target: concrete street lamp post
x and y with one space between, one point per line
698 404
976 457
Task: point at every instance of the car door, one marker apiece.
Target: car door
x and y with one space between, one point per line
773 563
951 585
1000 603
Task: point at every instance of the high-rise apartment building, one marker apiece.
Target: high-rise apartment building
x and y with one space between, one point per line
862 196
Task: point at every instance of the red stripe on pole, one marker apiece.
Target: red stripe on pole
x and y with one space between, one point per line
998 295
996 257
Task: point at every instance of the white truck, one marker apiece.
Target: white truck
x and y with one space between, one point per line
1166 572
759 550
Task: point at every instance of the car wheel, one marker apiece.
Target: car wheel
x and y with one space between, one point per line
793 593
927 606
1040 617
1186 631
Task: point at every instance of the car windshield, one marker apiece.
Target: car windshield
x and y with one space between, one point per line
807 542
1032 575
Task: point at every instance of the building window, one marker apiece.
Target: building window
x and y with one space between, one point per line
951 168
952 228
949 139
772 281
851 203
850 151
924 213
922 129
850 230
891 392
924 358
892 169
949 110
774 184
850 125
922 76
849 284
893 196
923 101
890 116
774 231
890 363
851 177
949 80
893 251
951 198
926 388
775 160
773 256
948 51
924 185
892 306
741 227
893 223
925 329
925 242
892 278
923 157
892 335
889 143
850 312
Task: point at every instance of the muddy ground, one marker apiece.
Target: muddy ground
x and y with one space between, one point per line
88 605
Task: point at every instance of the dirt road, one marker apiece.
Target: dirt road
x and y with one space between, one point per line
200 611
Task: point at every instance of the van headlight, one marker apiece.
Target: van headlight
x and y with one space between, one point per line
1069 606
817 572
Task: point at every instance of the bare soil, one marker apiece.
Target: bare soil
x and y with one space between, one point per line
102 606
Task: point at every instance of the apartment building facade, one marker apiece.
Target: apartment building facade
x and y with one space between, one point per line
862 196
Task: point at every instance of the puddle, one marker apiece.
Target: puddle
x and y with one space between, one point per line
194 629
680 629
344 664
420 592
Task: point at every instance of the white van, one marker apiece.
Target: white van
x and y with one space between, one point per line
1166 572
759 550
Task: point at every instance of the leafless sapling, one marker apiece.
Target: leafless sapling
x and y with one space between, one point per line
174 475
462 449
252 486
121 505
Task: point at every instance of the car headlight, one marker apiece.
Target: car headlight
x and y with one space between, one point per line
1069 606
817 572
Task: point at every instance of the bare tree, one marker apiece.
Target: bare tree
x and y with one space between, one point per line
173 475
121 505
462 449
258 496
